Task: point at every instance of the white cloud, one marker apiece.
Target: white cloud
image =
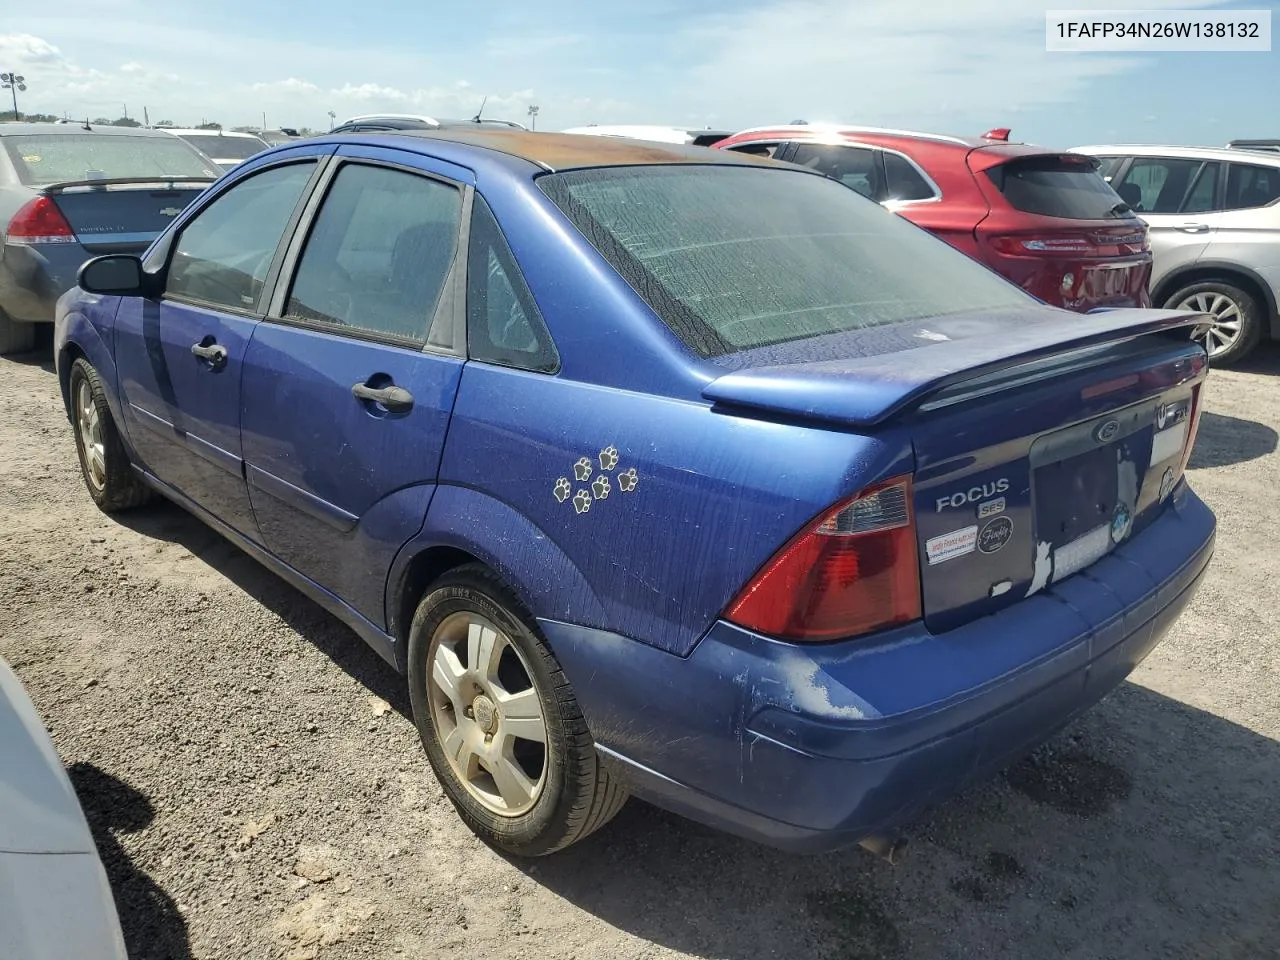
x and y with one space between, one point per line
20 49
286 86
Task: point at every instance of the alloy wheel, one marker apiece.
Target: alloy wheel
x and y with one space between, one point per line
487 714
1228 322
89 424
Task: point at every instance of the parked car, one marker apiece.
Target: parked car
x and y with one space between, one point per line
697 137
226 148
283 135
1214 219
1039 217
386 122
663 470
56 902
70 192
1266 146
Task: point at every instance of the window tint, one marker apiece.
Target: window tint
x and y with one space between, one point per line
379 253
222 256
1161 184
53 158
855 167
732 258
903 181
503 323
1200 197
1066 186
757 149
1249 186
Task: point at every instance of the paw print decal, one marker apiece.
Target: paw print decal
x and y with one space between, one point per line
599 488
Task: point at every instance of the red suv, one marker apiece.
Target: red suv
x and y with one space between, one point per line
1042 218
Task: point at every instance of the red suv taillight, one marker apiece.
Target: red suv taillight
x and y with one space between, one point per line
40 221
852 570
1073 245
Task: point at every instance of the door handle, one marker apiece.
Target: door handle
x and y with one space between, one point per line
393 398
212 352
1193 227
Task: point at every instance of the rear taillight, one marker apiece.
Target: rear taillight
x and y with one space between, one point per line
852 570
40 221
1072 245
1197 406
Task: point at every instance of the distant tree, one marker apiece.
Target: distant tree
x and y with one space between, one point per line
29 117
165 123
100 122
306 132
209 125
125 122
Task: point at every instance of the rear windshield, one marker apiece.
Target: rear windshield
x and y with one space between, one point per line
43 158
733 258
1067 187
225 148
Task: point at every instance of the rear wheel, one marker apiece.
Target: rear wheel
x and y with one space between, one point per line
1237 318
499 721
103 460
16 337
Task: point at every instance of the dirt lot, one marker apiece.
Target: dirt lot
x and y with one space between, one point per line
257 790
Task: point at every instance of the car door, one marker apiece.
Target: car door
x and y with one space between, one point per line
1176 196
350 380
1247 230
179 356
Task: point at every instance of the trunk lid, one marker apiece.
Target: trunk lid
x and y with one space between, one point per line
1039 448
122 215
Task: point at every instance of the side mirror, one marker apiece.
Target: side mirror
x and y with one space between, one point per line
115 275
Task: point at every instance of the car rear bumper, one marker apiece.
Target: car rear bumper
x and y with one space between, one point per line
34 276
815 748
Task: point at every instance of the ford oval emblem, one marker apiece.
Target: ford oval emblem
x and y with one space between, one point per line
1106 432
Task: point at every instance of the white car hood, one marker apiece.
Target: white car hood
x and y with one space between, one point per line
57 907
39 812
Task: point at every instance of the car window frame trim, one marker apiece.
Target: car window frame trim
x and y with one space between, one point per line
446 310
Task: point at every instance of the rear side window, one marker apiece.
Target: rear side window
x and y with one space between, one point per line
902 181
856 167
378 255
733 258
1169 185
1068 187
42 158
1249 186
757 149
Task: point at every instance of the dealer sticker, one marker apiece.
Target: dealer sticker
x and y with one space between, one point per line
951 545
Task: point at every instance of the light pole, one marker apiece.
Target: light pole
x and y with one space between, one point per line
533 117
332 119
13 83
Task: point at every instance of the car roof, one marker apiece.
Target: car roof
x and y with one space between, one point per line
1258 157
184 131
818 130
564 151
69 129
658 132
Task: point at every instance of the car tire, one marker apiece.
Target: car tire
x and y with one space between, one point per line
104 464
16 337
1238 318
479 672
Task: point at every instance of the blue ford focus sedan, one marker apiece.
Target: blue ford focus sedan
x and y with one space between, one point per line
657 471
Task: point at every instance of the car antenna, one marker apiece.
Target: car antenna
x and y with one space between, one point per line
86 124
476 118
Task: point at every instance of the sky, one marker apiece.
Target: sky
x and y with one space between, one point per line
936 65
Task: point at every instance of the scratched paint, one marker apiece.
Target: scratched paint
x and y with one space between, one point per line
1044 566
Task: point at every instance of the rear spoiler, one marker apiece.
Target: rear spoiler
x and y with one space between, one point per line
867 391
120 181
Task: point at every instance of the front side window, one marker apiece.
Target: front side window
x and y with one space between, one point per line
732 258
1249 186
222 256
378 254
856 167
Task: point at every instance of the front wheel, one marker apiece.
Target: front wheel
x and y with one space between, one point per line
1237 318
103 460
499 721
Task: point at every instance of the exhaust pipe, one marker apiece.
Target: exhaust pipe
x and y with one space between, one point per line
890 847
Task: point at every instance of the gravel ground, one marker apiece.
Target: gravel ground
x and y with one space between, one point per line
257 788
